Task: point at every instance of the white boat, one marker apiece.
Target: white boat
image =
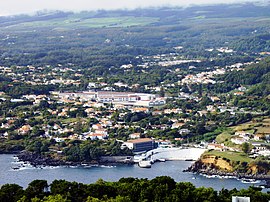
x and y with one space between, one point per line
144 164
161 160
211 176
252 181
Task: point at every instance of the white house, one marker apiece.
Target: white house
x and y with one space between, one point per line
96 136
238 140
101 131
177 125
218 147
184 131
58 139
97 126
135 135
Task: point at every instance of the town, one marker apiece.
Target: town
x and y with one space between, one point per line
116 92
135 121
135 104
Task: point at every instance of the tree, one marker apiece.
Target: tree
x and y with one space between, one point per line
60 187
205 194
78 126
37 188
246 147
56 198
11 192
162 92
44 104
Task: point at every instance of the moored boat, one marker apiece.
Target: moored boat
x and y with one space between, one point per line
144 164
161 160
250 181
15 168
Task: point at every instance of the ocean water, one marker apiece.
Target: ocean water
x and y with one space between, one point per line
23 173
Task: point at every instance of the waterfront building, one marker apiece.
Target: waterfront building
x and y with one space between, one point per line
140 145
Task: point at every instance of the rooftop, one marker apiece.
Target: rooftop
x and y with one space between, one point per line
140 140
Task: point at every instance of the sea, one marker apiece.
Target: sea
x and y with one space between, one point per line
13 171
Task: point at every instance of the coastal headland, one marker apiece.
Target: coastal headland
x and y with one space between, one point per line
220 166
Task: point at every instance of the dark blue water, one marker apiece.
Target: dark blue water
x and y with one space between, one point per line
88 175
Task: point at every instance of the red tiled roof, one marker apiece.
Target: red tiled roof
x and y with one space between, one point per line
140 140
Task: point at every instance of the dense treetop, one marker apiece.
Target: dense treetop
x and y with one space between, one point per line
126 189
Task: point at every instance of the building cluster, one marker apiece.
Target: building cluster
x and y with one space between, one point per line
259 143
203 77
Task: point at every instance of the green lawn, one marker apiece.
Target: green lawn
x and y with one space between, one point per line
224 136
68 120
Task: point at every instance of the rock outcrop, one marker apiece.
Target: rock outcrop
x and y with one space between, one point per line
213 165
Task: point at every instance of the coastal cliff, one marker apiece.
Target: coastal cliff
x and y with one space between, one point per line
218 165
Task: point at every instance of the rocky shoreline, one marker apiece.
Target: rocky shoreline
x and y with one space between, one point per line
39 160
200 168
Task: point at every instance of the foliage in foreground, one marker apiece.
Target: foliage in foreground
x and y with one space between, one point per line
161 189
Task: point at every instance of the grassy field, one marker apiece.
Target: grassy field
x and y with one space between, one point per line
264 130
267 120
233 156
244 126
262 126
69 120
72 23
223 137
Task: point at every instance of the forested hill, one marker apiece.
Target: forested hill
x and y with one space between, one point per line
166 15
253 74
253 44
112 38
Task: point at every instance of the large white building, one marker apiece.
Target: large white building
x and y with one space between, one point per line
125 98
112 96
